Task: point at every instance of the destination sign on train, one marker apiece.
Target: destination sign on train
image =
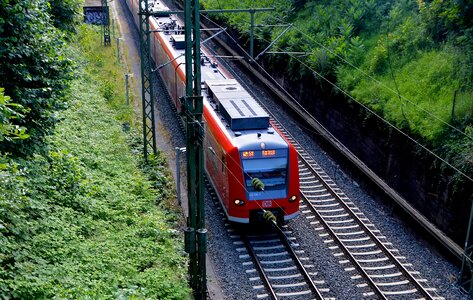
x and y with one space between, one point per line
248 154
266 153
255 154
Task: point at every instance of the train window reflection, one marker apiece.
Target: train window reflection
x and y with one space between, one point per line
271 171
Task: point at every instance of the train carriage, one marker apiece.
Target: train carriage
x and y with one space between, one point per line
251 165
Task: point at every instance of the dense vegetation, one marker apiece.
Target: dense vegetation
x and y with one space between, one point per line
34 68
79 219
410 61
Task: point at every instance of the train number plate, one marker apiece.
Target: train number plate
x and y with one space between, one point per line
267 203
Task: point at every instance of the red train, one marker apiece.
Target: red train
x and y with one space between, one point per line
251 165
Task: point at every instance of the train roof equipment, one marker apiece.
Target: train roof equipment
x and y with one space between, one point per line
238 108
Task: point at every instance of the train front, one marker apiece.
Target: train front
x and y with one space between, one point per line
259 170
270 178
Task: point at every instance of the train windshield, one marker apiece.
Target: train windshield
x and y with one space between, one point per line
271 171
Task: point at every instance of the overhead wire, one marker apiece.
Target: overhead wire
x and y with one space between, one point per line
358 102
269 75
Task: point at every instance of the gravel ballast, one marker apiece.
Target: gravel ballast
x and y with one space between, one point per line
230 273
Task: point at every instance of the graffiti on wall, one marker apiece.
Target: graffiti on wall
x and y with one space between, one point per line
96 15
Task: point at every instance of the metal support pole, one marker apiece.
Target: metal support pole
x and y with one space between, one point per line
113 26
127 76
466 272
178 173
105 23
101 35
252 33
452 118
194 147
118 49
149 132
252 12
202 252
274 41
178 176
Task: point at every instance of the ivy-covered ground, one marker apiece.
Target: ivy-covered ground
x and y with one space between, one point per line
83 219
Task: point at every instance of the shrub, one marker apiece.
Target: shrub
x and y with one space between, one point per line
10 111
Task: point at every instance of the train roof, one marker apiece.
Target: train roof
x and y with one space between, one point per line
236 105
237 112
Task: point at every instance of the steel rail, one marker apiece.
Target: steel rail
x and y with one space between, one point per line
299 264
380 244
259 267
350 256
369 232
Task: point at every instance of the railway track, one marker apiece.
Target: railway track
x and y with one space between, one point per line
378 268
374 264
382 271
284 271
276 267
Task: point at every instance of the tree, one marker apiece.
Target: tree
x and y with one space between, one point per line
445 18
64 14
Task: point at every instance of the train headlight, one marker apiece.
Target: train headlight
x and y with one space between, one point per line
239 202
293 198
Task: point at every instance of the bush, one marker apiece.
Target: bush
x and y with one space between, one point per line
81 220
65 14
10 111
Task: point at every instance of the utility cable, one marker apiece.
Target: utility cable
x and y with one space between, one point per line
362 105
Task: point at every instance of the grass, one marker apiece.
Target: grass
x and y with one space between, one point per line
426 86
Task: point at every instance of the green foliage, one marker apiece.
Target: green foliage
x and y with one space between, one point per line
446 18
10 111
298 4
34 69
80 221
107 90
241 21
410 61
428 83
110 77
459 152
65 14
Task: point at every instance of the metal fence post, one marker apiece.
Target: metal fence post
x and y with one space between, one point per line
118 49
178 173
127 88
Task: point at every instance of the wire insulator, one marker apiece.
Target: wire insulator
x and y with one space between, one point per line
257 184
269 216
